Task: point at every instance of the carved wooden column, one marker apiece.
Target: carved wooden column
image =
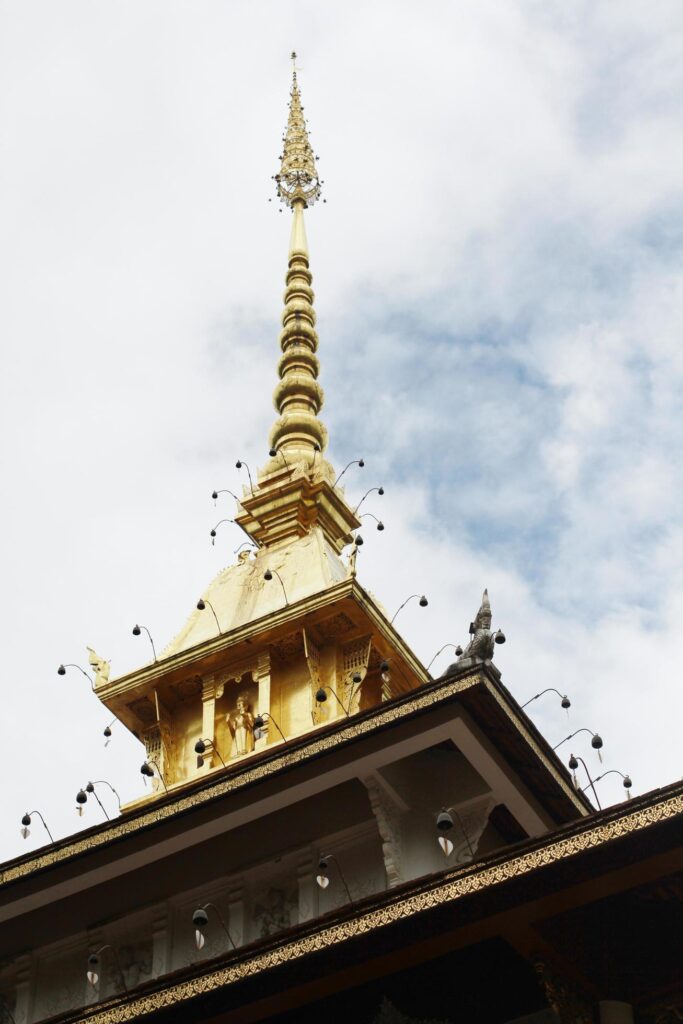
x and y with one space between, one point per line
388 818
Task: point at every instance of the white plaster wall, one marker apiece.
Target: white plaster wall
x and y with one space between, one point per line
264 901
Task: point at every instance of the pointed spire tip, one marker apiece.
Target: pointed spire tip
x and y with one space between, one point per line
297 180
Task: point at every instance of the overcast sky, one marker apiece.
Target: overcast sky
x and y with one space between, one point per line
499 291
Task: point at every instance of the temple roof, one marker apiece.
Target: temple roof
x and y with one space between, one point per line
240 593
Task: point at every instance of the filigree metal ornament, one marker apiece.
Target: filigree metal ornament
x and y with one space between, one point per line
297 180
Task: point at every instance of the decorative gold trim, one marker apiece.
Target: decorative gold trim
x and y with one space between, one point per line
191 659
238 780
193 656
248 775
562 782
456 885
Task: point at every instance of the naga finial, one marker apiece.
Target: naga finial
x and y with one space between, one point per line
482 639
99 666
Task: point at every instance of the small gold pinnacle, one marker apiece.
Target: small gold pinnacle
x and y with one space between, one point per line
298 179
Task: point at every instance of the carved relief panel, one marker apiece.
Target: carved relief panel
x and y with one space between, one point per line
163 722
355 657
275 908
312 653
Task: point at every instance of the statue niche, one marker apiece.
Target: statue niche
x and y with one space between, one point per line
236 709
241 726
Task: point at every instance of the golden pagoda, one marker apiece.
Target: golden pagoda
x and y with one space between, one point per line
331 834
287 631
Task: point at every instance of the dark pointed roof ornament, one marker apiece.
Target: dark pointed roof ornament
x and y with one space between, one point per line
479 650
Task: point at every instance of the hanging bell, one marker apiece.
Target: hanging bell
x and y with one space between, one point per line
444 822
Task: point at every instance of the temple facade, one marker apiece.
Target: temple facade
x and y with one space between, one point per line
329 833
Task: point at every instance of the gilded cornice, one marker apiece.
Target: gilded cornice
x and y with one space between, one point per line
508 707
193 657
384 627
281 510
450 888
308 747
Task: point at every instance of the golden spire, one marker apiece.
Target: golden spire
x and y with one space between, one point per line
296 491
298 397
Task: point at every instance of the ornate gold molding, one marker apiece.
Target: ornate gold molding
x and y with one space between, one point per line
355 658
237 780
312 655
456 885
561 781
285 758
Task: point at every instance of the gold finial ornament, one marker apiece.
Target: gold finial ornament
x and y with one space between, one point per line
298 397
297 179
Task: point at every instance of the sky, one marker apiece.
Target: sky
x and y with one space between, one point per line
499 289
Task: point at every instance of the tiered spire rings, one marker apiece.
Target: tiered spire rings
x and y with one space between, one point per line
297 489
298 397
